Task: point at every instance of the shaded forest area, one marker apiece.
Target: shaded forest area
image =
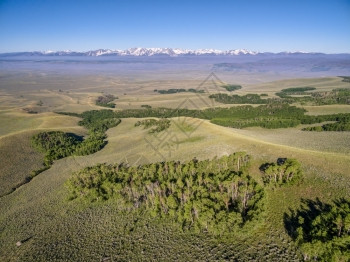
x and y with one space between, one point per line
321 230
57 144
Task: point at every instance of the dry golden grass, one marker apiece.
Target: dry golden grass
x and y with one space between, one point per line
321 84
14 121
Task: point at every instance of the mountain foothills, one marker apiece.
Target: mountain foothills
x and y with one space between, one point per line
140 51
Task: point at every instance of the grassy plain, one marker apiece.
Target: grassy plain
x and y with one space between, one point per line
54 229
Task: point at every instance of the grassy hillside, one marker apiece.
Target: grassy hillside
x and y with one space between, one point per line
52 228
17 158
40 211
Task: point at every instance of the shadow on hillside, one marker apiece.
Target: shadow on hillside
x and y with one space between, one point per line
308 211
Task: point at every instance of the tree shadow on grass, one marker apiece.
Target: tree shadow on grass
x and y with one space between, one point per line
308 211
76 137
303 217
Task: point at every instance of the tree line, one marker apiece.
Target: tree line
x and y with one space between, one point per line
338 126
178 90
274 115
336 96
342 122
244 99
345 79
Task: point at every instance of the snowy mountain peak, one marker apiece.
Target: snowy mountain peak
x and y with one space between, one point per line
141 51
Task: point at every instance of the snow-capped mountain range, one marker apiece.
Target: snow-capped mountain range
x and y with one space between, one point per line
140 51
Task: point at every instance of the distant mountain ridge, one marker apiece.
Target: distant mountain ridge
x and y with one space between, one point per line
140 51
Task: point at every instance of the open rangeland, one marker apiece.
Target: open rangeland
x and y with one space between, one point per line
51 228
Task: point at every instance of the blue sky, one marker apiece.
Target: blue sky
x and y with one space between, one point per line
296 25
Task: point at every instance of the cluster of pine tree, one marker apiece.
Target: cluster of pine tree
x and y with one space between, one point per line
106 101
346 79
321 230
230 87
158 125
288 92
342 124
336 96
338 126
284 171
213 196
341 117
57 144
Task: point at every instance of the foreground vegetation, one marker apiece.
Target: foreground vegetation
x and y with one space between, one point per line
321 230
217 197
214 196
101 230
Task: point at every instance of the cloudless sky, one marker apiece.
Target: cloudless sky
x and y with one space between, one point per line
270 25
